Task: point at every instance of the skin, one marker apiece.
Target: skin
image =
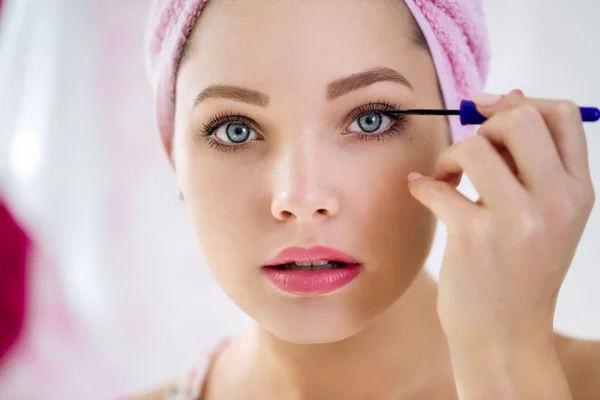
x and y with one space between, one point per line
392 333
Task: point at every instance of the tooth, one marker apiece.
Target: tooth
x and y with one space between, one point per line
320 263
303 264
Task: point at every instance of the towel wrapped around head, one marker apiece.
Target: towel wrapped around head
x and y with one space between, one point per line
454 29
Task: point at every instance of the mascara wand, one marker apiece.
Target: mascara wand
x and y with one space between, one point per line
470 116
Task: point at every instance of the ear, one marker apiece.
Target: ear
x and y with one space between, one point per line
171 155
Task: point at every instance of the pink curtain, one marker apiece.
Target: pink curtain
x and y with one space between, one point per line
14 246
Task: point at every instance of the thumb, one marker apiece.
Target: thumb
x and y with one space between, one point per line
441 198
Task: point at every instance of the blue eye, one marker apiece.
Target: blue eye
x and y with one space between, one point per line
370 123
235 133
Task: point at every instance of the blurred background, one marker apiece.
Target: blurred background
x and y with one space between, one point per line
118 298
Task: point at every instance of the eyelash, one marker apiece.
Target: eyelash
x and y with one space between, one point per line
209 128
382 107
385 108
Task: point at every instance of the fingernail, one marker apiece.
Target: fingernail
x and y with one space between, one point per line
485 99
413 176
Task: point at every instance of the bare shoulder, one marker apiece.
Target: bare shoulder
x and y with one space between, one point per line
581 362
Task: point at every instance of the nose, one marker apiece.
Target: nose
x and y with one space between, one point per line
302 188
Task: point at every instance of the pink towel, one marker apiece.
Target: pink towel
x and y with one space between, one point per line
454 29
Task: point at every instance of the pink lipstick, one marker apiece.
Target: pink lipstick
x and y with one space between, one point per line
313 271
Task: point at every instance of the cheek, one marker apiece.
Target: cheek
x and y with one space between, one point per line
394 227
226 204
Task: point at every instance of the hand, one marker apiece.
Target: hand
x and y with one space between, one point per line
507 254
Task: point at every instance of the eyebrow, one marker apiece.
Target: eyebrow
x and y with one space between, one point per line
232 92
343 86
335 89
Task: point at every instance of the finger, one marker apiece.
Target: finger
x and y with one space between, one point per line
490 174
564 121
508 159
565 126
523 132
517 92
447 203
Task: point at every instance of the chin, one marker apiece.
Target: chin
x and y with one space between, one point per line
314 320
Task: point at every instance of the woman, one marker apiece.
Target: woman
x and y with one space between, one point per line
315 202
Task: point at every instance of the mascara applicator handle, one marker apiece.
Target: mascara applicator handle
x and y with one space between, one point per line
470 116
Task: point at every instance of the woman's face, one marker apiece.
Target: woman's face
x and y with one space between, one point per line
307 152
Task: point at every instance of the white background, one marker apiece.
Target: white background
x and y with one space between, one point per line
121 299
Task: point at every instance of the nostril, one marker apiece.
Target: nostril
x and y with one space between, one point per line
322 212
286 215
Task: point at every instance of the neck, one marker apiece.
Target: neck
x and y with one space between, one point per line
399 354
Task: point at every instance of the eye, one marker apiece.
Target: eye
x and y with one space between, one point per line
371 123
235 133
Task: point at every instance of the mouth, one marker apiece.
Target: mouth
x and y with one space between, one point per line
318 265
313 271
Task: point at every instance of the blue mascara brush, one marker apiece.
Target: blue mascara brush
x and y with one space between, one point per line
470 116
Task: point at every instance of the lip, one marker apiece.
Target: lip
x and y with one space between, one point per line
315 253
302 282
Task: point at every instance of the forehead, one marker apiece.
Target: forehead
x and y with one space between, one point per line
272 44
